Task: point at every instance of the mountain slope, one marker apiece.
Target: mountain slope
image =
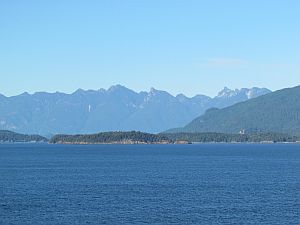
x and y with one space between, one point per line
275 112
115 109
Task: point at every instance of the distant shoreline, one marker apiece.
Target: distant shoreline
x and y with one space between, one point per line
140 138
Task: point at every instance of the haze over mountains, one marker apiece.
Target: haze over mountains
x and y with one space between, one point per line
277 112
115 109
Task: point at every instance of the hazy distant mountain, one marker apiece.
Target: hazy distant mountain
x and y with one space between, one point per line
115 109
9 136
277 112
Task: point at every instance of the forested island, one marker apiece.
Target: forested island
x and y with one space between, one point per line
9 136
232 138
133 137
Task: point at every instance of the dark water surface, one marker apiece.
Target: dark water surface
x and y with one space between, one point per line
149 184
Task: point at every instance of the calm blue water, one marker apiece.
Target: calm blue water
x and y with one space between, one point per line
152 184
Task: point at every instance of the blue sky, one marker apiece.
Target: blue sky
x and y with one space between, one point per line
181 46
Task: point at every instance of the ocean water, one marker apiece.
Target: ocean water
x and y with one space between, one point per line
150 184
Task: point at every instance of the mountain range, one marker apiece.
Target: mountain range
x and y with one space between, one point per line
115 109
277 112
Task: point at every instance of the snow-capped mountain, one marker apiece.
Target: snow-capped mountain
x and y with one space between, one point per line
244 92
228 97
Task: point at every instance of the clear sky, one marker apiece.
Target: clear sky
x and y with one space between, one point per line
182 46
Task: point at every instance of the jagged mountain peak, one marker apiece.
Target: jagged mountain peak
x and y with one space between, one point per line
155 95
154 91
226 92
181 97
79 91
243 92
25 94
101 90
117 88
